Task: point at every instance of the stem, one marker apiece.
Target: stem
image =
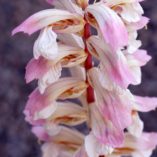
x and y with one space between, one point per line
88 63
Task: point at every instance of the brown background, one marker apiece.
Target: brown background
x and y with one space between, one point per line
16 139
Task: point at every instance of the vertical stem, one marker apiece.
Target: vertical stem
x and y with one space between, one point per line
88 63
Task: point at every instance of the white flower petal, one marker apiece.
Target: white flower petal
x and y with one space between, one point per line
46 44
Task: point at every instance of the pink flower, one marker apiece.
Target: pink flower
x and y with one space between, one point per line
61 21
112 63
103 130
49 70
120 67
43 70
142 145
41 106
110 25
129 10
115 105
65 142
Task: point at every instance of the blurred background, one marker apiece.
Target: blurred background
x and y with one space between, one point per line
16 139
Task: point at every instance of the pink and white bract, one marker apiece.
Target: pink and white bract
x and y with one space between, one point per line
95 96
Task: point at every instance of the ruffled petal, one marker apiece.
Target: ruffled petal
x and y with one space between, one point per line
138 25
42 70
134 66
135 61
35 103
142 57
46 44
51 76
145 104
35 69
133 43
132 12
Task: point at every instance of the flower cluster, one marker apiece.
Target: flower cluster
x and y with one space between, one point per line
96 47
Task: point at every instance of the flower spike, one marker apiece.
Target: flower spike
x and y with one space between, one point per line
82 106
